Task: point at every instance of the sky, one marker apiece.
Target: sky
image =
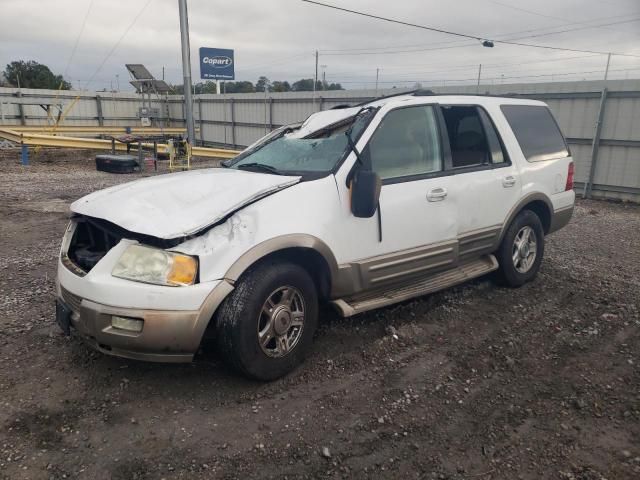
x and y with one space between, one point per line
90 41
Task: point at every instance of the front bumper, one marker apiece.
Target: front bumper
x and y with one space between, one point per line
166 336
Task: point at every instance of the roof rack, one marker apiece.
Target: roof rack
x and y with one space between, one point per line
408 92
420 93
423 93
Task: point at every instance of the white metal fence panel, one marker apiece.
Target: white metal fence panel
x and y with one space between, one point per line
237 120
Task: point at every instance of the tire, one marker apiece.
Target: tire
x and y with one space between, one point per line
246 314
520 265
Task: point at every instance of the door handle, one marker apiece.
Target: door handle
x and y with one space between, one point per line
436 194
508 181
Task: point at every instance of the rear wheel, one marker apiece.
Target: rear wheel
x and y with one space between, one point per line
266 325
520 253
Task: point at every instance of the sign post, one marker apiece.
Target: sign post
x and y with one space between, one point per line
217 64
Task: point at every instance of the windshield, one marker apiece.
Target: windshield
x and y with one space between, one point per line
285 151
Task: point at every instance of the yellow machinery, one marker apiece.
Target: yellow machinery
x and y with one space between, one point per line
179 154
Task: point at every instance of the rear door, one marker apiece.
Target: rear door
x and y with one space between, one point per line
485 183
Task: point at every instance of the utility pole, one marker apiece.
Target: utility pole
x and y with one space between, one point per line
377 76
315 81
266 86
163 73
606 71
118 82
478 84
186 71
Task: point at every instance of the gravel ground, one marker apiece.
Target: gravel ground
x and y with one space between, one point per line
473 382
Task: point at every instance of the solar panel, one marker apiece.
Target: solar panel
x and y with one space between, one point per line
139 71
161 86
151 86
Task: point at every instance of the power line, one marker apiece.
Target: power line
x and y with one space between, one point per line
387 52
117 44
505 41
473 65
491 78
531 12
586 27
280 61
462 35
75 45
520 32
433 29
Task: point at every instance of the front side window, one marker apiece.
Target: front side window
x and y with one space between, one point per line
406 143
536 131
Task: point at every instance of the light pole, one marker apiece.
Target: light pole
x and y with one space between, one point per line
186 70
315 82
324 77
606 70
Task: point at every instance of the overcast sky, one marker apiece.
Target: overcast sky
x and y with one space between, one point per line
278 38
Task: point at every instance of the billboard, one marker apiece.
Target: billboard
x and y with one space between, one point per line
216 64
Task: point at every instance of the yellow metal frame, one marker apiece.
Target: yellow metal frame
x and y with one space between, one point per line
85 129
35 139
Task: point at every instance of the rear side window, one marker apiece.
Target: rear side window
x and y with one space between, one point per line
466 136
472 137
536 131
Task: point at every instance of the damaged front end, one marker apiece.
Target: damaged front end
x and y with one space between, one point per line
89 239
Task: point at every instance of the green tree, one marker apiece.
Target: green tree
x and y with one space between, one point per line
263 84
305 85
278 86
238 87
33 75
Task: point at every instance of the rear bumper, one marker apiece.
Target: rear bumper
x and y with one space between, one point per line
166 336
560 218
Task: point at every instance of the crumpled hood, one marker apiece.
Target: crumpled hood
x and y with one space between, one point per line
179 204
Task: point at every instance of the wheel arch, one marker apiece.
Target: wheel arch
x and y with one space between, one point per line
308 251
538 203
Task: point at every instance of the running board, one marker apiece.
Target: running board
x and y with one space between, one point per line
370 301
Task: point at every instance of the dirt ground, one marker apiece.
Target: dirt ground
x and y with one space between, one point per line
478 381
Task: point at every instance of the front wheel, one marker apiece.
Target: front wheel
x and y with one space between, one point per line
266 325
520 253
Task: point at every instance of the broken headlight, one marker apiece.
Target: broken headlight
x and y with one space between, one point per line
152 265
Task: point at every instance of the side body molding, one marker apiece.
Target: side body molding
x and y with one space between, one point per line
354 277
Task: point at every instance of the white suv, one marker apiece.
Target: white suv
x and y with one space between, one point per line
359 206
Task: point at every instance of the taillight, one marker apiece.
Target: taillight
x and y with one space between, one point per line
569 185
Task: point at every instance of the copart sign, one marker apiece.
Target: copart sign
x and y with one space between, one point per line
216 64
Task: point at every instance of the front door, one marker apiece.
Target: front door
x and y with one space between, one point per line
414 231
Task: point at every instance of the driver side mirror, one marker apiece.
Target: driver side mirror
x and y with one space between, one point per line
365 193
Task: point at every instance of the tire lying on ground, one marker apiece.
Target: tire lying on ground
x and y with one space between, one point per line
117 163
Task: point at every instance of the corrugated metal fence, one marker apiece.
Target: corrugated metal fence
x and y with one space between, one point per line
609 166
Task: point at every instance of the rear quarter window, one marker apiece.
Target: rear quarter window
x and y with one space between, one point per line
536 131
